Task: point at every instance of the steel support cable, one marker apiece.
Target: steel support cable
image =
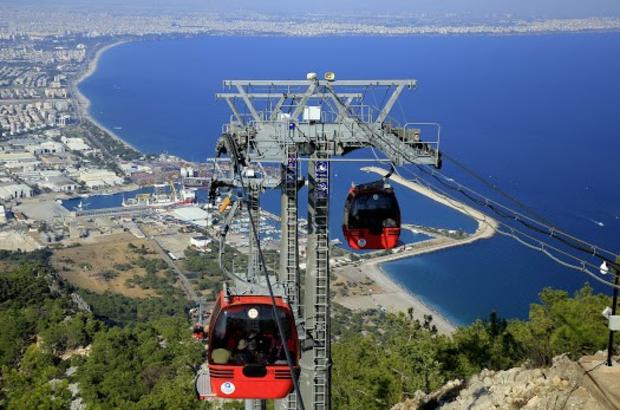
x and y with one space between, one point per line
495 188
387 90
544 247
329 90
502 214
222 245
263 268
374 98
402 110
581 268
549 229
524 220
361 123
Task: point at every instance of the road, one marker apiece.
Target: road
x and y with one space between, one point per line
185 284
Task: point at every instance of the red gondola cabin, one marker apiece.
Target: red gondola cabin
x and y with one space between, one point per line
245 353
198 332
371 217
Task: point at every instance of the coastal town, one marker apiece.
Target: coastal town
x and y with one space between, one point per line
92 23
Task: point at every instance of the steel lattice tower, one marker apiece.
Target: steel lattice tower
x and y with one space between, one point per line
286 123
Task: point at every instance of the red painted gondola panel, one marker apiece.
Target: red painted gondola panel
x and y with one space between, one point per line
371 217
246 357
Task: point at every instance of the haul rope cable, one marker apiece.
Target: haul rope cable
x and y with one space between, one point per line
474 200
263 268
591 249
494 187
524 220
542 247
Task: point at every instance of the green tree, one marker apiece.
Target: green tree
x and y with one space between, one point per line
34 384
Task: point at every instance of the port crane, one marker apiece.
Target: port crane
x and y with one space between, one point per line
288 123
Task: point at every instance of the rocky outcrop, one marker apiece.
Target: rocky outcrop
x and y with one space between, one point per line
562 386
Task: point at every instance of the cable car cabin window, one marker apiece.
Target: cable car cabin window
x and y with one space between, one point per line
374 211
250 334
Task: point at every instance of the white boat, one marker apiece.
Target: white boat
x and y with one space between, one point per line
160 198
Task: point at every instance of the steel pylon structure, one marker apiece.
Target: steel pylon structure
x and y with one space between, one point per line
288 123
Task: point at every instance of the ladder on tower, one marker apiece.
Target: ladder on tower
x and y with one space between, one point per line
321 298
291 277
254 262
292 263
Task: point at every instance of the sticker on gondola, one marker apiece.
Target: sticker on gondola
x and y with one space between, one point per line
253 313
227 388
322 169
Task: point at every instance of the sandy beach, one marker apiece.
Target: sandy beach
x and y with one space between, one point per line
83 103
392 296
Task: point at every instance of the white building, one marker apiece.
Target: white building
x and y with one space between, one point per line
47 147
24 165
129 168
12 190
193 215
59 183
99 178
200 241
16 156
51 133
75 144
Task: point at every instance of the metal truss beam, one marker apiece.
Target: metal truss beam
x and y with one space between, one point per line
234 110
248 103
300 83
385 111
284 95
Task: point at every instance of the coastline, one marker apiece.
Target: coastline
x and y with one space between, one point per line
393 296
83 103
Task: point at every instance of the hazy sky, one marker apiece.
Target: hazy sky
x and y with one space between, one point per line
475 8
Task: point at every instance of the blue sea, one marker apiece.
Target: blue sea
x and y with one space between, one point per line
537 116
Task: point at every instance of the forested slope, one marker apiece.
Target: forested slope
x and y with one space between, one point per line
139 354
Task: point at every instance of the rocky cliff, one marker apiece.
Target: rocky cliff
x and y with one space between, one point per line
584 384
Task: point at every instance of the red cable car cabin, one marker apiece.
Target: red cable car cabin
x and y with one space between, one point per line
245 353
371 217
198 332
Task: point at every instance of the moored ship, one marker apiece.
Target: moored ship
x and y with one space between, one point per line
161 198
